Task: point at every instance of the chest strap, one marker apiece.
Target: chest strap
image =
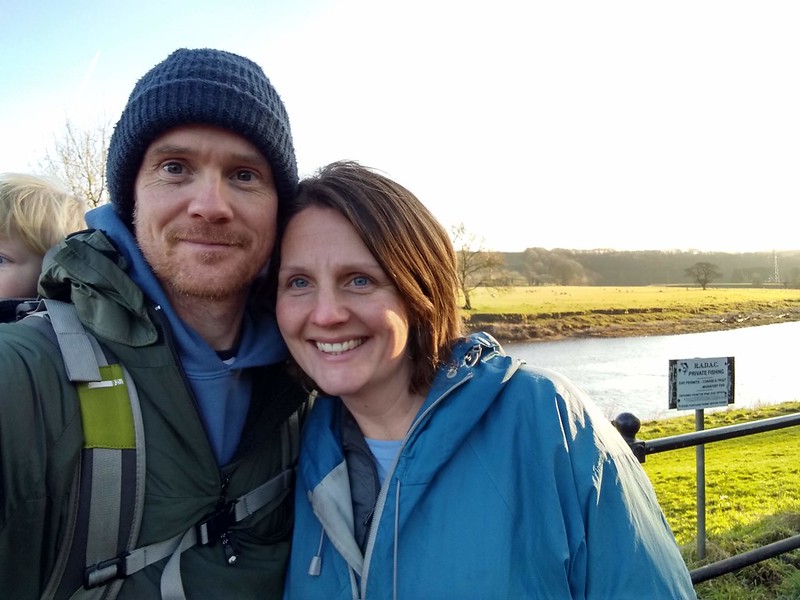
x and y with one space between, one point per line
207 531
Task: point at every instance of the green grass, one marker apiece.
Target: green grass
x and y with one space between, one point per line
555 299
752 499
572 299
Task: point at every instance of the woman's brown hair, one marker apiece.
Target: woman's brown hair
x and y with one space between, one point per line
408 242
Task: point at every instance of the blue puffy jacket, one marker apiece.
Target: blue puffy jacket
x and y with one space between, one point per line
509 484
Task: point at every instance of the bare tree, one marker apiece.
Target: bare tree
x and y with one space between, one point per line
78 158
703 273
475 263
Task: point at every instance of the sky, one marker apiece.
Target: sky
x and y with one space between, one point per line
629 125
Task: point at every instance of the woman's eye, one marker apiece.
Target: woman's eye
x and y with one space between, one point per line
298 283
360 281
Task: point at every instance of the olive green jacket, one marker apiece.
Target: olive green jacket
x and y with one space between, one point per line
41 440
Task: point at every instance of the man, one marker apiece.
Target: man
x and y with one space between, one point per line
197 165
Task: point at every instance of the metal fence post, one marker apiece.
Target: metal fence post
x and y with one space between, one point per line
628 426
700 458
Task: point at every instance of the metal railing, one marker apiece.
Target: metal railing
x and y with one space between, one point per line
628 426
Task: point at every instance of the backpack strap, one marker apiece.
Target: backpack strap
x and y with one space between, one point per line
107 496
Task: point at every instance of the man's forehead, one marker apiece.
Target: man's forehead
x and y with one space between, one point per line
200 138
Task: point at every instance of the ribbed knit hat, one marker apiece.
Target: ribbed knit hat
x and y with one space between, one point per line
202 86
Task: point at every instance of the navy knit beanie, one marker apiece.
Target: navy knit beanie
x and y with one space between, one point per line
204 86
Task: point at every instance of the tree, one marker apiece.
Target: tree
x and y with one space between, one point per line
78 158
703 273
475 263
534 265
565 270
557 266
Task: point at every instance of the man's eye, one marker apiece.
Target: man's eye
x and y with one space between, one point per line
173 168
245 175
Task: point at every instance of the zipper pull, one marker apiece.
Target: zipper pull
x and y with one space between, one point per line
229 545
223 489
315 568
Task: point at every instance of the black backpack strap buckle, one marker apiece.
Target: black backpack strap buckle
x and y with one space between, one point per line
212 526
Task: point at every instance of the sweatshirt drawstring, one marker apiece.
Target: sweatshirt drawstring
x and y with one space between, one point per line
315 568
396 536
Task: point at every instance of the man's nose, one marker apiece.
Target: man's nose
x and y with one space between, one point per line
211 199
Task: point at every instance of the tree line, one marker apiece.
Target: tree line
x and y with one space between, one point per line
540 266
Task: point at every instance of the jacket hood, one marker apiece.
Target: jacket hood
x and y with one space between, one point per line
87 270
477 361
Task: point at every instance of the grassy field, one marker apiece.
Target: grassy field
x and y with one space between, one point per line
752 499
535 313
545 300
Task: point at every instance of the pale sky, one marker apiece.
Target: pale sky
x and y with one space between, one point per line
634 125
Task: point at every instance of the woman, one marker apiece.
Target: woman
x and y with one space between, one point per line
433 465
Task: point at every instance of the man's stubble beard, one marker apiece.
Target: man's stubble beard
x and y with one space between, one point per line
236 281
183 284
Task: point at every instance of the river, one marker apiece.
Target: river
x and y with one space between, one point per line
631 374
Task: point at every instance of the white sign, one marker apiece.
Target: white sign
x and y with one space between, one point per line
696 383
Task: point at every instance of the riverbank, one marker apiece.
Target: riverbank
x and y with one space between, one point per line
512 328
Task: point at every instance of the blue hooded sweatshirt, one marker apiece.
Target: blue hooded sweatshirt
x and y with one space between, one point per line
221 390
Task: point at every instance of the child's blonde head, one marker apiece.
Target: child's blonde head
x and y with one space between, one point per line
38 211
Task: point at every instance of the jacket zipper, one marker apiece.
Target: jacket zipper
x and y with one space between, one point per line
377 511
227 538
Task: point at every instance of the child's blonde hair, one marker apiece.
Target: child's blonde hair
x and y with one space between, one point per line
38 210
